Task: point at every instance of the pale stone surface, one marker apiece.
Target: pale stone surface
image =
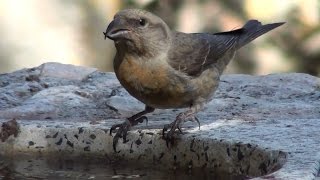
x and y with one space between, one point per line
65 71
254 125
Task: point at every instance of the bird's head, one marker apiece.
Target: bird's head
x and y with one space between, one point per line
139 30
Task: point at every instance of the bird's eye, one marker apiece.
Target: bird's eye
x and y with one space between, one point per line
142 22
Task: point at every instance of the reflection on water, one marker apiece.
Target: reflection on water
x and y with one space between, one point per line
32 167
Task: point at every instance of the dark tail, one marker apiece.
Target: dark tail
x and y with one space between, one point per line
250 31
253 29
237 38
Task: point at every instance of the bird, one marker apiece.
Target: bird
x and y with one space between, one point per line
168 69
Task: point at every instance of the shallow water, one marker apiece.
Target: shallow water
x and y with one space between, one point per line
37 167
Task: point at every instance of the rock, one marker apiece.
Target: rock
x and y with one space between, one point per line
65 71
255 125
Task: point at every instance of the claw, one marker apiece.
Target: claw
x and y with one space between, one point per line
141 119
124 136
145 118
169 136
180 130
123 129
114 127
196 119
121 133
169 139
177 125
115 142
165 128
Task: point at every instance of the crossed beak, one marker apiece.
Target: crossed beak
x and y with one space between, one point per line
116 30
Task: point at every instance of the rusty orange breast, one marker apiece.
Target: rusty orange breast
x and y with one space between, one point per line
150 84
140 74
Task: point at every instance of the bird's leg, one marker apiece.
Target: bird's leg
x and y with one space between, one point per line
124 127
177 123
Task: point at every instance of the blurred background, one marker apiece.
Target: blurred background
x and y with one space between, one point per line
69 31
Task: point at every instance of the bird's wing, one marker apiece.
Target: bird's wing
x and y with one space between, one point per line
194 53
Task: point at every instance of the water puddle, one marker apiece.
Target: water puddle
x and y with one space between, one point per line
38 167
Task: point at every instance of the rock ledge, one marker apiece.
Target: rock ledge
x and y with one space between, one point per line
264 126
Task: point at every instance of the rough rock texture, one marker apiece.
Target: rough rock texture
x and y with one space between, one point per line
255 125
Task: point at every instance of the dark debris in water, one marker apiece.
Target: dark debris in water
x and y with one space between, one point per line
9 128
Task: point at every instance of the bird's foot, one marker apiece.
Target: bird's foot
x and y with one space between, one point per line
180 119
123 128
194 118
176 124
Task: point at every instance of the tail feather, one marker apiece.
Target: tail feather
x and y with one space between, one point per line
235 39
253 29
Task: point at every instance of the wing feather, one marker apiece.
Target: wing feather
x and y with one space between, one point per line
194 53
198 51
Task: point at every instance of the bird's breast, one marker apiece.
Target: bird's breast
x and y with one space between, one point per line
152 84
